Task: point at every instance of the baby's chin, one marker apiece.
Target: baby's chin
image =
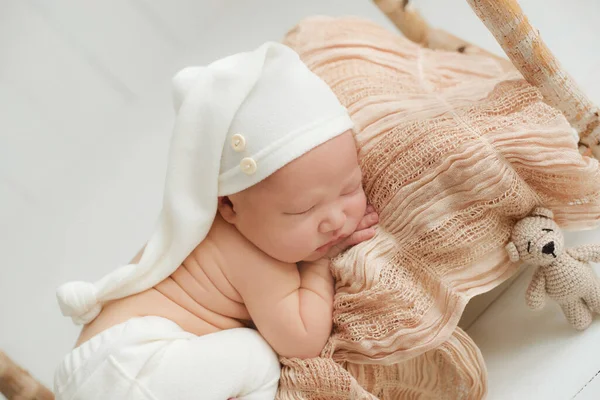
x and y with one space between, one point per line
309 258
313 257
287 255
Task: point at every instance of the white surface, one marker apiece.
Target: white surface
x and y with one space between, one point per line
85 120
590 391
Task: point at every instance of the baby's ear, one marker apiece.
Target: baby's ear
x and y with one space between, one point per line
225 209
512 251
542 212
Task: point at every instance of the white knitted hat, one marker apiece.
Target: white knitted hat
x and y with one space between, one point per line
238 120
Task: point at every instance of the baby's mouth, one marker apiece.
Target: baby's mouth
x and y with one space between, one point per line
332 242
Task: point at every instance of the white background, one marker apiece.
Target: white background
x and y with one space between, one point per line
85 121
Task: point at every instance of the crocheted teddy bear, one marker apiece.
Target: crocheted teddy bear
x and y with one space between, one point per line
564 274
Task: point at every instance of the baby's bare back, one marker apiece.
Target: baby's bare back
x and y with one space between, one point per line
198 296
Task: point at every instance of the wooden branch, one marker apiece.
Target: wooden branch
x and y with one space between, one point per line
18 384
408 20
412 25
527 51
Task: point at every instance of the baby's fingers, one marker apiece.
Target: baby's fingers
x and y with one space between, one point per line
368 221
354 239
360 236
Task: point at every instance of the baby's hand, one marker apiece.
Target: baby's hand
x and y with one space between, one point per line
364 231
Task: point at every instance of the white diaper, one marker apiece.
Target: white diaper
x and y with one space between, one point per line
153 358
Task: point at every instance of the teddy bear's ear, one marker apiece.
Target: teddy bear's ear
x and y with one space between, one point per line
542 212
512 251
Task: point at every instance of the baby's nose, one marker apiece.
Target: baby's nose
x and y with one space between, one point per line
548 248
334 222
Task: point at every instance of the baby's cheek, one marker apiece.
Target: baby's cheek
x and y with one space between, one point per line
298 237
359 206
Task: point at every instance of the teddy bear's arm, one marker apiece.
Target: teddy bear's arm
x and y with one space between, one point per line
536 292
588 252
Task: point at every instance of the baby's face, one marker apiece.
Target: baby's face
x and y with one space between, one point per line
300 211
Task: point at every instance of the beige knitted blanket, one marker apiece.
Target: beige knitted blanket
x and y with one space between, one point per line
453 150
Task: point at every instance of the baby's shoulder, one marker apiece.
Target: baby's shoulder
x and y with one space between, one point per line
238 257
225 245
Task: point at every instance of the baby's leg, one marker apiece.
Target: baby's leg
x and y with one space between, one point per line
578 314
235 363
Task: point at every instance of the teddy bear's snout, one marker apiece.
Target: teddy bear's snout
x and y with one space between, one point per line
548 248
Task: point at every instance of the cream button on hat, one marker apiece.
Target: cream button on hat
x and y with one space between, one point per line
248 166
238 142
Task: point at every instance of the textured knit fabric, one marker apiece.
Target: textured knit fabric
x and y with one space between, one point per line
238 120
453 151
152 358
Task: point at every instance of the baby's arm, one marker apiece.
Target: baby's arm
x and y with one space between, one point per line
291 306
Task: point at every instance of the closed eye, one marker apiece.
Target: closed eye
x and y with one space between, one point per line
301 212
547 230
353 190
528 246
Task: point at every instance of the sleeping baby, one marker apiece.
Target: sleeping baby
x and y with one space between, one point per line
263 188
